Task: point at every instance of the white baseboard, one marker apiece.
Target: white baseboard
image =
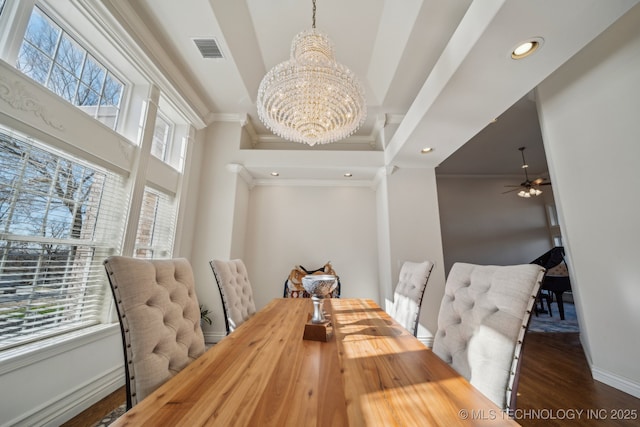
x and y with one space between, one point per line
608 378
616 381
213 337
426 340
67 406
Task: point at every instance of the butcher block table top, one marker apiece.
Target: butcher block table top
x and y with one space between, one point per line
372 372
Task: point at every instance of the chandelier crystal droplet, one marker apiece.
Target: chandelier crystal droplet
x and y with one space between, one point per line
311 98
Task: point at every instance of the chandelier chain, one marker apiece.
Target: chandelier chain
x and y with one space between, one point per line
313 19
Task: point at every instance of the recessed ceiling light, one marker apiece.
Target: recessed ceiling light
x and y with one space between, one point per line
526 48
426 150
348 175
275 174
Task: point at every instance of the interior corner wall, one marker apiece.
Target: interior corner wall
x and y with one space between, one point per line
385 282
481 225
414 227
189 198
289 225
215 205
241 207
588 111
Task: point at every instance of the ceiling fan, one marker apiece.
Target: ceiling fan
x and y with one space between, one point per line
528 187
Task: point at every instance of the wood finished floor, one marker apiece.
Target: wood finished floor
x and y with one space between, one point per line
555 381
555 385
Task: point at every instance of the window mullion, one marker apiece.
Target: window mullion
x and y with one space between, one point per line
53 59
79 81
139 173
101 94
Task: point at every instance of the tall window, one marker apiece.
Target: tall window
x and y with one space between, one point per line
51 57
156 227
59 218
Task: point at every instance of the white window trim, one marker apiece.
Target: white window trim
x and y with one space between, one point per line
28 354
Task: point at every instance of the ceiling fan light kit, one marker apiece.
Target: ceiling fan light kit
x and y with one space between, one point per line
530 192
311 98
528 188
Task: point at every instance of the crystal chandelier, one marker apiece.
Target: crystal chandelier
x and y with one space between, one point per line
311 98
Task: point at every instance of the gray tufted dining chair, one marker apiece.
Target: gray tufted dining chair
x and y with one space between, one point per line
235 290
407 297
159 320
482 322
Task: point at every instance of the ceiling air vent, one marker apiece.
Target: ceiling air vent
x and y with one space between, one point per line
208 48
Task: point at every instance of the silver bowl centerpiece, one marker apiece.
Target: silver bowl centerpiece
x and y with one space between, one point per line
319 286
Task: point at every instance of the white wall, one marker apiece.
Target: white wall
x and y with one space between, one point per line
589 111
481 225
215 217
414 229
384 239
310 225
52 384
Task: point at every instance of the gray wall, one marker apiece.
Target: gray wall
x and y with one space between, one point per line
480 225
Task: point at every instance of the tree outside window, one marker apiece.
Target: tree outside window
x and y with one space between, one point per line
58 220
54 59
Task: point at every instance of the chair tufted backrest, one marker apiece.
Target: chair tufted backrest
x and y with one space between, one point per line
482 322
159 319
407 297
235 291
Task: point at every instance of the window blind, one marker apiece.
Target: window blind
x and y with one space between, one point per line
162 134
60 217
156 227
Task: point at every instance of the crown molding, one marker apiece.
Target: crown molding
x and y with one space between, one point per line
130 34
241 171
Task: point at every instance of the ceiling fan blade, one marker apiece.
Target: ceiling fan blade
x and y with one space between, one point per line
511 191
540 181
513 186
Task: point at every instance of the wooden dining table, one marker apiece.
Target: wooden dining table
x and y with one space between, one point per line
371 372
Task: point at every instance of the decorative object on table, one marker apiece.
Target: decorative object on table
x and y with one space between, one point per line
311 98
159 320
235 291
482 322
293 285
527 188
318 286
407 297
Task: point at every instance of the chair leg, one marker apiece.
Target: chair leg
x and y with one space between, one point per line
542 296
549 297
560 304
